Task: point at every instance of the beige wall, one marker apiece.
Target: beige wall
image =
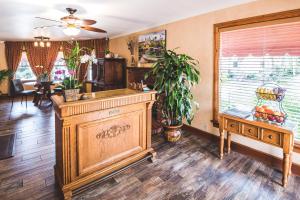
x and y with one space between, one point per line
194 36
3 65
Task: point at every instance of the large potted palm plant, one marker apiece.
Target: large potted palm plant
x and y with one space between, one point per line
174 75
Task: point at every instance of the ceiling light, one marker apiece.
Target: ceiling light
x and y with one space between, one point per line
41 41
42 44
71 30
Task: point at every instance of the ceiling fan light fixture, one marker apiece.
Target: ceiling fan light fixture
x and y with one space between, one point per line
71 30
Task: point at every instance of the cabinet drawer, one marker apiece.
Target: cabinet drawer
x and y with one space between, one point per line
231 126
271 137
250 131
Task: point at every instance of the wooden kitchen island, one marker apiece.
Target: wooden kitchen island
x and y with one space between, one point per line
99 136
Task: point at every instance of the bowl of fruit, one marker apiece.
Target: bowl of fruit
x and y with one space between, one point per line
266 113
270 93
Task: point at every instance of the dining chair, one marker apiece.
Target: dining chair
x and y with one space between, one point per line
17 89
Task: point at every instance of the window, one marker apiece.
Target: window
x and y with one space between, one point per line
24 71
59 71
250 56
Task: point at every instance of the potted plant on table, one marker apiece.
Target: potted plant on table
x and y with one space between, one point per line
174 75
43 75
74 58
3 75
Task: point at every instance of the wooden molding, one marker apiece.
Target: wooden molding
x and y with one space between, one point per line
297 147
258 155
4 96
240 22
260 18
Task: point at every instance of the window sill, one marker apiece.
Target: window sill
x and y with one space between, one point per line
28 81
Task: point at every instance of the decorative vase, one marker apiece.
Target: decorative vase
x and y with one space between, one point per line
71 95
173 133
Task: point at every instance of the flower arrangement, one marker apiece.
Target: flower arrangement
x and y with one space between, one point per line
74 58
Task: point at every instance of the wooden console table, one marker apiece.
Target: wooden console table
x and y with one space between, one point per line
279 136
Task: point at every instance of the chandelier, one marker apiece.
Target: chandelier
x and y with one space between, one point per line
41 41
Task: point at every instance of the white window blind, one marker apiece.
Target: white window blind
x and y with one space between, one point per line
251 57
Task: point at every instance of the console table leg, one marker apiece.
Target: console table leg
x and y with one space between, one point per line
291 163
221 144
285 168
228 142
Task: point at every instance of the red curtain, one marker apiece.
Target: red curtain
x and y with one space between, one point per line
52 56
46 56
13 53
100 46
37 56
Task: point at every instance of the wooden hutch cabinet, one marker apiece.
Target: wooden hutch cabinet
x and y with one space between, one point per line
107 74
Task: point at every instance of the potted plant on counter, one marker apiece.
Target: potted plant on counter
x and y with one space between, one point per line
74 58
174 75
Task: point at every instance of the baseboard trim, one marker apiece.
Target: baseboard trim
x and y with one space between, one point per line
4 96
258 155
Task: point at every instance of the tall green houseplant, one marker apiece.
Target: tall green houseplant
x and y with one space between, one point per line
174 75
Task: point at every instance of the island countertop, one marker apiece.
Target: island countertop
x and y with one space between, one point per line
101 100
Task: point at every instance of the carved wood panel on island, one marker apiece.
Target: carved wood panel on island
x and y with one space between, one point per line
98 136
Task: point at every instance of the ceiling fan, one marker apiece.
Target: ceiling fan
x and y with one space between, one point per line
72 24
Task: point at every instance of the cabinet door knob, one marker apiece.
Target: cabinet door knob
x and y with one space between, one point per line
270 136
249 130
231 125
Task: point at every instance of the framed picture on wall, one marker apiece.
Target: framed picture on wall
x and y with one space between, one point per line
150 47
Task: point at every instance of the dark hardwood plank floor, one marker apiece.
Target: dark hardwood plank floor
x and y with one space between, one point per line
187 170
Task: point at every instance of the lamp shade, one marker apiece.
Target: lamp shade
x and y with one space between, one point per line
71 30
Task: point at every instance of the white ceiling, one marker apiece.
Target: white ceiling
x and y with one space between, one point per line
117 17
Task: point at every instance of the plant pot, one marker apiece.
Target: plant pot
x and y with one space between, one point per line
173 133
71 95
108 55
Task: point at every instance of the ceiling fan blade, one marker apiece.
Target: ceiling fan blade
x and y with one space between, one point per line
57 25
48 19
88 21
90 28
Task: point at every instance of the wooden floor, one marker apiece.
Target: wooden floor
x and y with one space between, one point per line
187 170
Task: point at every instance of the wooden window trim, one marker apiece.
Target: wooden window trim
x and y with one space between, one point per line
232 24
